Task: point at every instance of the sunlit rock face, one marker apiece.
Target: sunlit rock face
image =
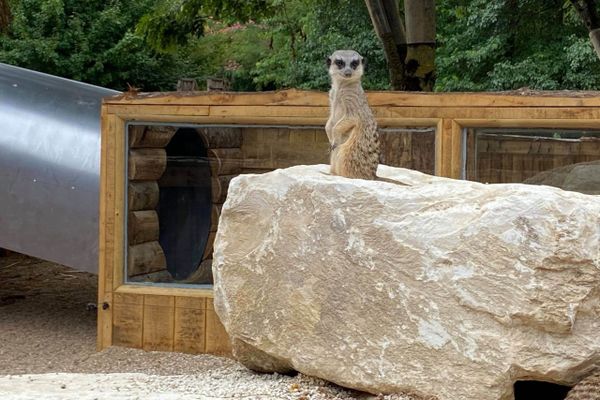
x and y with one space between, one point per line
443 288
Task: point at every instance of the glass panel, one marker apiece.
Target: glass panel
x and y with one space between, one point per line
564 158
179 176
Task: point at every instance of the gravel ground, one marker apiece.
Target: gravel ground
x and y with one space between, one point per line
47 351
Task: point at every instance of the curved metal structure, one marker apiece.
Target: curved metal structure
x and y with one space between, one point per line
50 166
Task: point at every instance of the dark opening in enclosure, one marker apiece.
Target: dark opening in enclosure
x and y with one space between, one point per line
536 390
184 208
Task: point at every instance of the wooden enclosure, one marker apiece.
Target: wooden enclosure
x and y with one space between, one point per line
504 137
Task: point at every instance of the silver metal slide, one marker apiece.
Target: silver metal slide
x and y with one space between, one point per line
50 166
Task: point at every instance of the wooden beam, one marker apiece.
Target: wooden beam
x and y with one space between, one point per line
376 98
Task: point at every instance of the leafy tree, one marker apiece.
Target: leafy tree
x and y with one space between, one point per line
283 44
508 44
588 12
91 41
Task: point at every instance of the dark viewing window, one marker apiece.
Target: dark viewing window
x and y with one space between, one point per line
185 204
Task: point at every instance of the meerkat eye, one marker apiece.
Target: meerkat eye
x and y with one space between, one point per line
354 64
340 63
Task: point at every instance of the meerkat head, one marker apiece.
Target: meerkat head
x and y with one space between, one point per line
345 66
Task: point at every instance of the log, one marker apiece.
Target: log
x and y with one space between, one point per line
145 258
225 161
147 164
221 137
142 227
154 136
142 195
219 186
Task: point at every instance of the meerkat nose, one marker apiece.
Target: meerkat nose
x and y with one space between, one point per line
347 74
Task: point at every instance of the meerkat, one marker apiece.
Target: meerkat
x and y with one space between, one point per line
587 389
351 127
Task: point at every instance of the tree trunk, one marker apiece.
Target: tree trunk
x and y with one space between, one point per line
5 15
589 16
410 52
390 30
420 37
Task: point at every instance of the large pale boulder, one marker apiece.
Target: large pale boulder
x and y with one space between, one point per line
445 288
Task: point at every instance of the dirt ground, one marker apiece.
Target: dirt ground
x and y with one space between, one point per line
48 350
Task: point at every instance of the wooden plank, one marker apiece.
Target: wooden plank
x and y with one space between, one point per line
127 324
456 156
142 227
142 195
229 120
164 291
190 331
159 323
307 98
557 123
118 128
158 109
104 320
444 148
145 258
271 111
489 113
225 161
217 340
194 303
216 137
153 136
286 97
147 164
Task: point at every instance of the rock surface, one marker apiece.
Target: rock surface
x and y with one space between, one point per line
581 177
445 288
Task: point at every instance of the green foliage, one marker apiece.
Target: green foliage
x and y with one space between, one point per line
509 44
273 44
91 41
288 47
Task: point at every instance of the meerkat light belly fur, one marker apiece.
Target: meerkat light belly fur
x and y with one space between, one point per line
351 128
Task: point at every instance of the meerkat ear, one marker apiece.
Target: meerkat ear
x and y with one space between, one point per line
328 60
363 61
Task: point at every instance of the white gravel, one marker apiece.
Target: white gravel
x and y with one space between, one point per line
48 351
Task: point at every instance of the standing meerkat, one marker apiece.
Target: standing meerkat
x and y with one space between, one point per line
351 127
